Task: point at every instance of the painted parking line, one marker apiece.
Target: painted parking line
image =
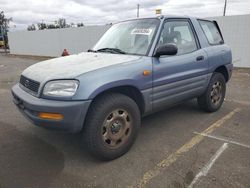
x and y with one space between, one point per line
161 166
246 103
223 139
209 165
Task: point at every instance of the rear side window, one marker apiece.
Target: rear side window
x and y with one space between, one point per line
211 31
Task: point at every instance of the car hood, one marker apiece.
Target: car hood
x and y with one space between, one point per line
74 65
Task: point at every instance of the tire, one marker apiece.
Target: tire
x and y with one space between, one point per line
112 125
212 99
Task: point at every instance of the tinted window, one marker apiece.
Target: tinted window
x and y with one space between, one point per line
211 31
179 33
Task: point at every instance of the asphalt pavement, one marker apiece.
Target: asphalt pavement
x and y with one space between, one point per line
178 147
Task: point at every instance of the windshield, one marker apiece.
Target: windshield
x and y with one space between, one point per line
129 37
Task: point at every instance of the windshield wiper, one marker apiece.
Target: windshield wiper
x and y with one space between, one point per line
90 50
112 50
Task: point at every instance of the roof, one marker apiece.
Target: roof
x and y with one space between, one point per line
162 17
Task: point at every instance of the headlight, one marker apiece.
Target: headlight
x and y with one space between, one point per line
61 88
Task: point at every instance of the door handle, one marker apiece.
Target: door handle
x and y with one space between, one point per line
200 58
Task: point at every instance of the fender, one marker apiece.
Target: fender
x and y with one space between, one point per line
119 83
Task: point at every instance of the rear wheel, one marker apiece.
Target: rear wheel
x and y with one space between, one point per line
214 95
111 126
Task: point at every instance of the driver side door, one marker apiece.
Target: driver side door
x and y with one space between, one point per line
181 76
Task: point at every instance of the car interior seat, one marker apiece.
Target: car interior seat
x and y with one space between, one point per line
172 37
141 43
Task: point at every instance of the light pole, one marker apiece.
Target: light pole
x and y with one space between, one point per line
138 10
225 8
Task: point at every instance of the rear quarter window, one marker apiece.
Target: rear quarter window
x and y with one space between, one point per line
211 32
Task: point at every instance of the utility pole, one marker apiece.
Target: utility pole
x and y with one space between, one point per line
138 10
225 8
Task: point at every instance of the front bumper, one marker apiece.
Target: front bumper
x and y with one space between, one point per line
73 112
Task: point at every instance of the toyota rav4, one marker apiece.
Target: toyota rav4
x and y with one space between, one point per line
138 67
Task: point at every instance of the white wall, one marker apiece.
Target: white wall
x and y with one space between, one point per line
52 42
236 33
235 29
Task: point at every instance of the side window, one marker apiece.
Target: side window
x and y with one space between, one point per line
179 33
211 31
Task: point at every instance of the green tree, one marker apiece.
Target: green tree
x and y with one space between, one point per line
4 26
51 26
80 25
4 22
31 27
41 26
62 23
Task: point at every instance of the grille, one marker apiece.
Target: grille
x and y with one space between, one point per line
29 84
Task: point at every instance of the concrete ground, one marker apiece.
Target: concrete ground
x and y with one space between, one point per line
179 147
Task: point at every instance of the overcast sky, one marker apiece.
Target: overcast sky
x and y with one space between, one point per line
91 12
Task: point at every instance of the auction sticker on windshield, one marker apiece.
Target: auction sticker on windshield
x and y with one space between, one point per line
141 31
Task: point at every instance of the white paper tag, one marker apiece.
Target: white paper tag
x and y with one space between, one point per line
141 31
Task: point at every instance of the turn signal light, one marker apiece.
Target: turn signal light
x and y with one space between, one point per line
146 73
52 116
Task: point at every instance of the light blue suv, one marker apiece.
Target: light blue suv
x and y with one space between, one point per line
138 67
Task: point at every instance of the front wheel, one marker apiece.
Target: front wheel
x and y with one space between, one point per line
111 126
214 95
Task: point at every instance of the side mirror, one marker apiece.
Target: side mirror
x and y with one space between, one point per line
166 49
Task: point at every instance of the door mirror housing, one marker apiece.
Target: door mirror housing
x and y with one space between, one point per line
166 49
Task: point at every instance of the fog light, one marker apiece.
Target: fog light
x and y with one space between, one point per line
52 116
